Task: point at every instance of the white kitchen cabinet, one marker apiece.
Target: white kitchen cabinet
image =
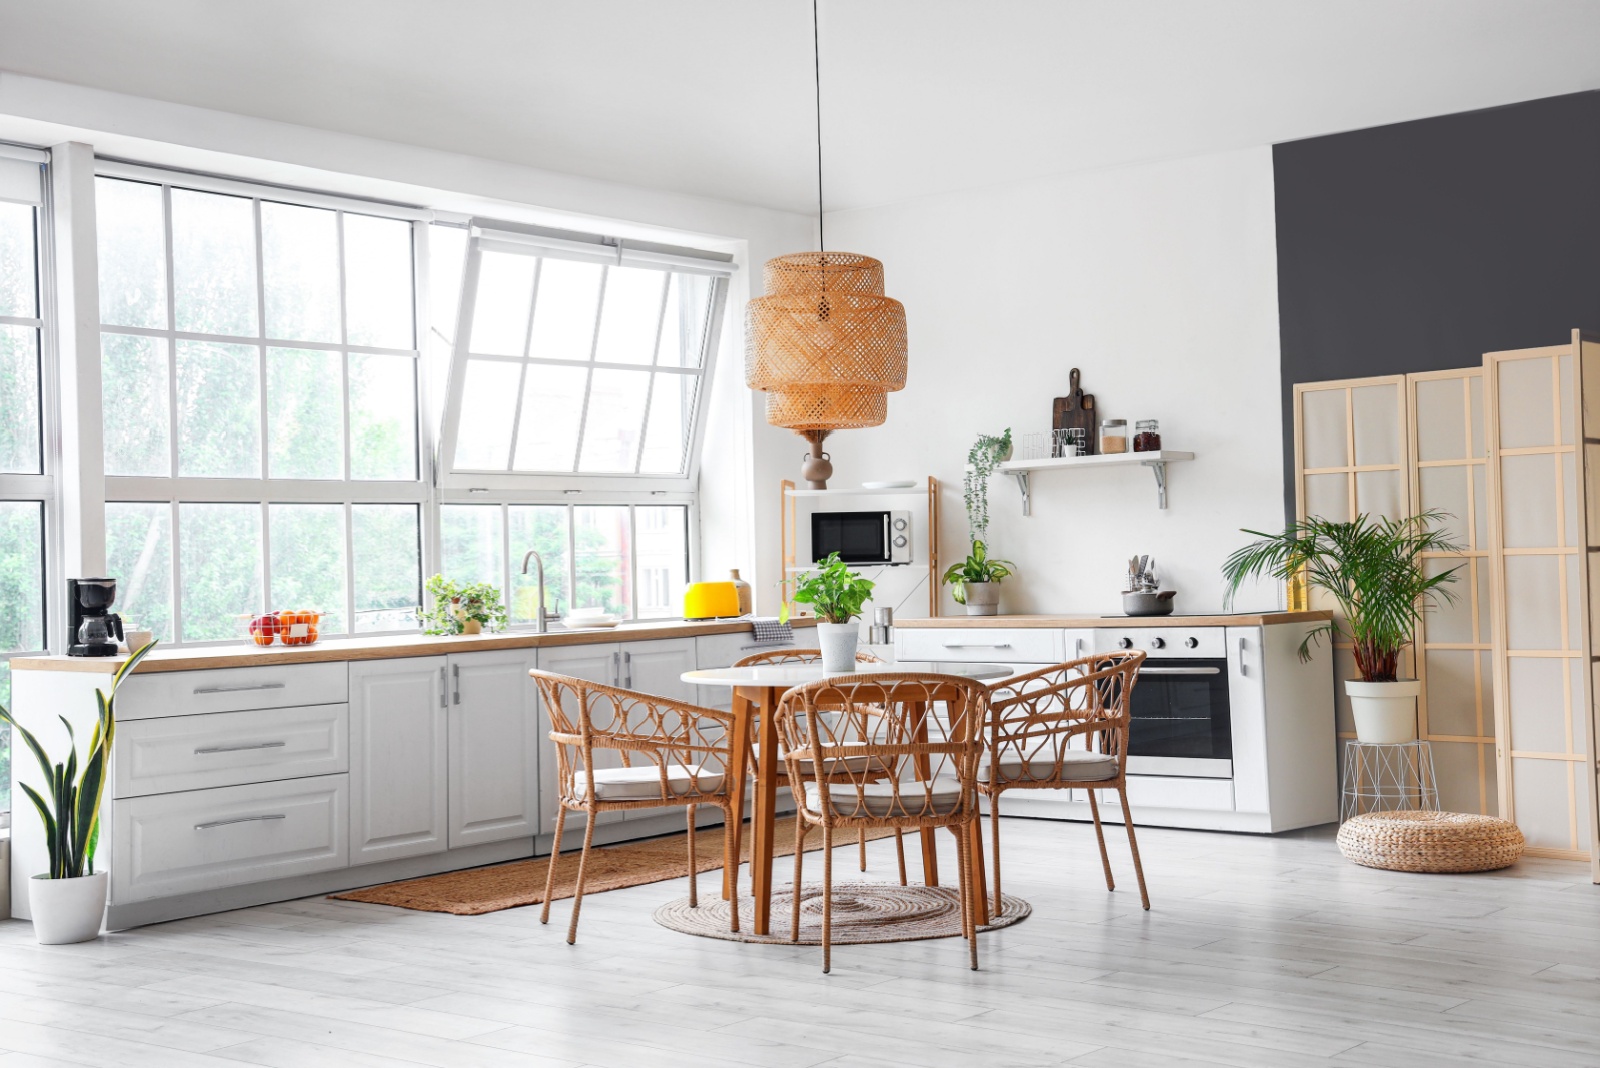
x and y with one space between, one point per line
399 767
657 667
495 742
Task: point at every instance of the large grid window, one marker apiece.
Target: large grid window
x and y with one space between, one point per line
260 384
25 485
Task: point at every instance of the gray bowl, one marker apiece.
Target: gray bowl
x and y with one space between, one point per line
1148 604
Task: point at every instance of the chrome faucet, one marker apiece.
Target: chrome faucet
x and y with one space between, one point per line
533 554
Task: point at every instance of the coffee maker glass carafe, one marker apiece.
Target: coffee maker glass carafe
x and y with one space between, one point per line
92 628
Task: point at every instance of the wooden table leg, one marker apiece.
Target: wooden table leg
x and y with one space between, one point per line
980 880
739 768
930 846
766 801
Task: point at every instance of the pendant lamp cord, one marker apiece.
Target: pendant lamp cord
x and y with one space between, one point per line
816 61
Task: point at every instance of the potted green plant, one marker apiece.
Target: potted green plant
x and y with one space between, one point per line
463 609
837 594
68 902
1373 569
976 580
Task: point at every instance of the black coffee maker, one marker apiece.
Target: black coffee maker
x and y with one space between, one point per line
92 629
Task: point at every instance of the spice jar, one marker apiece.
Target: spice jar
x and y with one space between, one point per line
1147 436
1113 436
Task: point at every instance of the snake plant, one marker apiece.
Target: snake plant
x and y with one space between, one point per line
72 814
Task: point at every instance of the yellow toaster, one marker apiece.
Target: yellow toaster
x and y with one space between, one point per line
710 600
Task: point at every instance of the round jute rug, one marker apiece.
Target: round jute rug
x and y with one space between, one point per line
862 913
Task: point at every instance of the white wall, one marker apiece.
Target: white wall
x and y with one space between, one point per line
1159 282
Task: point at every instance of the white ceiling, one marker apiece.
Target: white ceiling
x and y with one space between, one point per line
714 97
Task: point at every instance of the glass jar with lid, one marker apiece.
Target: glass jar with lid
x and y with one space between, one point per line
1113 436
1146 436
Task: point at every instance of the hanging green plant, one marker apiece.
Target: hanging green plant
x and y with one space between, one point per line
986 454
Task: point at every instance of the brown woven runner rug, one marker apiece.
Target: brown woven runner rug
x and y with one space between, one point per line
521 882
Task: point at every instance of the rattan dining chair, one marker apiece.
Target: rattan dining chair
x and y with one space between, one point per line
811 656
671 753
1063 728
835 730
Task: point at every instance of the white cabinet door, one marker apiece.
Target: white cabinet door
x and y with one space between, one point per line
657 667
398 758
593 663
494 747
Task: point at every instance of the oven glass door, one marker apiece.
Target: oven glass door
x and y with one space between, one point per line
1180 712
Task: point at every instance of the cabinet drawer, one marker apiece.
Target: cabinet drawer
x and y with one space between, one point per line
1162 791
981 645
207 839
193 693
162 756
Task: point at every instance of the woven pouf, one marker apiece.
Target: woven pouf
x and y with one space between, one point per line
1430 841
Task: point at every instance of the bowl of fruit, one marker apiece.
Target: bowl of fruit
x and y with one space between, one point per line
298 627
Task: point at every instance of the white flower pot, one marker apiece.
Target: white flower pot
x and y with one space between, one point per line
67 910
983 598
1385 712
838 644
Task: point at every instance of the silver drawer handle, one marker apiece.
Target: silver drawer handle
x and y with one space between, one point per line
239 689
977 645
1180 671
238 748
241 819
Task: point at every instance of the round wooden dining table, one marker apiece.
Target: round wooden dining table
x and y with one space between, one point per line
757 690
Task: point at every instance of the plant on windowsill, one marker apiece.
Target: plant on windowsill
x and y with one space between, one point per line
976 580
1374 571
837 594
68 902
462 609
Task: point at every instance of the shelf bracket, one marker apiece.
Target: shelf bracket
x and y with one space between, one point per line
1160 469
1026 488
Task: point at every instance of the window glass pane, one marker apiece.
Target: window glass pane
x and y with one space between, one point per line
564 320
305 414
552 410
21 449
213 263
219 559
661 553
219 413
671 414
300 271
500 313
133 388
139 557
683 328
387 541
308 561
133 259
21 576
447 256
630 315
469 543
614 420
488 407
383 417
377 282
19 293
542 527
601 559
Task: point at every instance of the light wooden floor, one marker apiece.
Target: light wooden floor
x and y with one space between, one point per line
1271 952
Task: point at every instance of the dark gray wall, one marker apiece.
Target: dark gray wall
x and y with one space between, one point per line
1423 245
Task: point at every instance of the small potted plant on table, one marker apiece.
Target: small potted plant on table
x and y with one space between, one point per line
1373 569
837 594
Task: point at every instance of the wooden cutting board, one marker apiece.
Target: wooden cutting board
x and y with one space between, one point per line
1076 409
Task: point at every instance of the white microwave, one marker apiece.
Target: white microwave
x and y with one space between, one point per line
862 537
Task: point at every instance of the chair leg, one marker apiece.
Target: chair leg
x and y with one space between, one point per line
1099 832
862 839
799 867
550 872
900 853
964 856
827 898
994 835
1133 847
694 869
577 890
729 829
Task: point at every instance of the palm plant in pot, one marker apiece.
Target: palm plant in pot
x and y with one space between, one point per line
68 902
1373 569
837 594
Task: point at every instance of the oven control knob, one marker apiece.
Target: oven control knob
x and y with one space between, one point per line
900 542
1124 643
899 524
1191 643
1158 643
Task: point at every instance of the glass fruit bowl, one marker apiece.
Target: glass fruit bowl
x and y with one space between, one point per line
290 627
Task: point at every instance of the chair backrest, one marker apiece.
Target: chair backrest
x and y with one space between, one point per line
798 656
1038 716
887 743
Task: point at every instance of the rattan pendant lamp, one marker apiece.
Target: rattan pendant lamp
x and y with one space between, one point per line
825 345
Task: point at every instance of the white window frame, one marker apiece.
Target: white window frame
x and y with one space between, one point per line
262 491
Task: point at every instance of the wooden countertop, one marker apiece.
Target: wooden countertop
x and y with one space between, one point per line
1242 619
386 647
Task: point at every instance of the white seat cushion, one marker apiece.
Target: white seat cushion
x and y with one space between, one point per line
1077 765
941 796
644 783
854 765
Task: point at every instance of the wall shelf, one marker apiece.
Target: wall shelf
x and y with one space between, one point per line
909 491
1022 470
